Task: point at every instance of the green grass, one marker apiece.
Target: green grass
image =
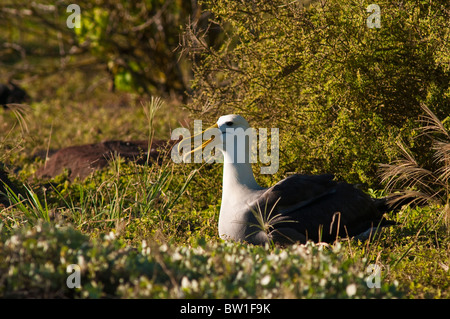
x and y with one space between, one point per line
37 259
151 231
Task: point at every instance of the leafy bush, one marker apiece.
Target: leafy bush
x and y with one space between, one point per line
340 92
137 42
34 263
134 42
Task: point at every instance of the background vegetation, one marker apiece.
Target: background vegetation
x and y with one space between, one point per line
340 92
133 42
344 97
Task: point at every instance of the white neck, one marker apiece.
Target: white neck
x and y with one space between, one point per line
239 191
238 182
238 175
239 186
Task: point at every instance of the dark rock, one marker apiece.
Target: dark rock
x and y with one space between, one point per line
12 93
82 160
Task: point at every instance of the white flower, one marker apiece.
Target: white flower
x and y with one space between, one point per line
81 262
13 240
110 236
283 255
265 280
189 284
177 256
264 268
351 290
185 282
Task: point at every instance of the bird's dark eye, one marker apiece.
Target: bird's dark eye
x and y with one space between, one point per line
229 123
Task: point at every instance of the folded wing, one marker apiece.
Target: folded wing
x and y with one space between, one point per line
317 208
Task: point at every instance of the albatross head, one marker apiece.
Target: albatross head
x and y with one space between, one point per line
237 139
233 126
232 121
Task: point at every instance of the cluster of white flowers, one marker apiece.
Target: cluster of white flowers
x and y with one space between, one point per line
206 270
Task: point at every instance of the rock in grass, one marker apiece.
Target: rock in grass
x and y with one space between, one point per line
82 160
11 93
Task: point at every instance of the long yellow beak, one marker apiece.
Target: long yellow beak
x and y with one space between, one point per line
192 139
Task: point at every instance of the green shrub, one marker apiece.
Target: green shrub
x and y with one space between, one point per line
133 41
340 92
137 42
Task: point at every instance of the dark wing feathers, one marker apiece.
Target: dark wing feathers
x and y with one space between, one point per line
319 208
298 188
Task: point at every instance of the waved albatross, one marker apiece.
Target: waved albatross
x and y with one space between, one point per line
296 209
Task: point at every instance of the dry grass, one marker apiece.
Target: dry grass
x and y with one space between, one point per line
412 179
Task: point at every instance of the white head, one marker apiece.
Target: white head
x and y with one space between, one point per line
232 121
238 139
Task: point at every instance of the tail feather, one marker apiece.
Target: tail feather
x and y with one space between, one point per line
395 202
